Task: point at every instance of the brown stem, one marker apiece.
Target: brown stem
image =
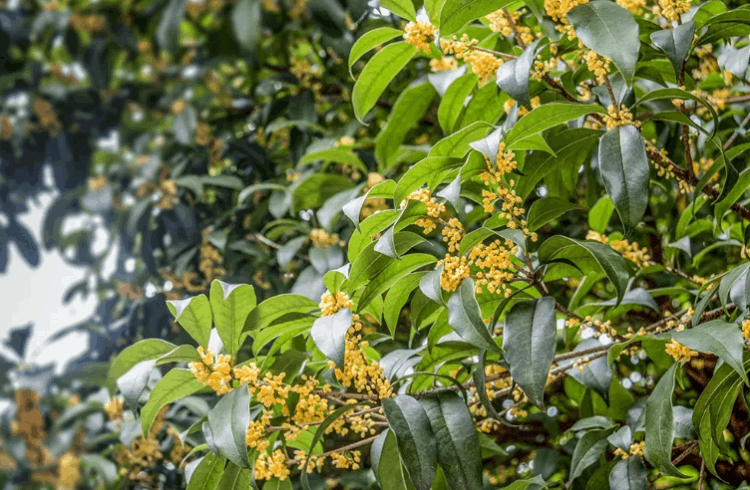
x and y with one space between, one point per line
348 447
513 27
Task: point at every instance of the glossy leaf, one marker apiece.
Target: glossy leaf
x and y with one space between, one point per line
402 8
628 474
176 384
208 473
465 317
513 76
457 13
660 425
370 40
194 315
529 341
329 334
675 43
230 305
547 116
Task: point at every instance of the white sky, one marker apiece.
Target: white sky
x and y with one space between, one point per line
35 295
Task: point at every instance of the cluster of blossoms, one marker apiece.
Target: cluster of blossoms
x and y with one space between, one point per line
598 326
635 6
499 22
672 9
631 251
373 204
210 260
679 352
558 10
434 209
446 63
483 64
420 35
746 330
598 65
322 239
213 371
501 383
636 449
619 117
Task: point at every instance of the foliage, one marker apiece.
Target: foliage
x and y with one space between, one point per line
473 256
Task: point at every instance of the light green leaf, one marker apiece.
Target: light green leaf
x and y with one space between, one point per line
208 473
421 173
194 315
230 305
452 103
397 297
458 144
457 13
143 350
402 8
378 73
386 462
228 421
235 478
545 117
176 384
718 337
546 209
369 40
275 307
600 214
390 274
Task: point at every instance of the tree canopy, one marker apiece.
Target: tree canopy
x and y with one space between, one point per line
457 244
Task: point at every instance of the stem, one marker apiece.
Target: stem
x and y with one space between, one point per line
348 447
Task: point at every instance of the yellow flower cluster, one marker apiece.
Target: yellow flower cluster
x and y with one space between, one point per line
636 449
358 371
434 209
331 304
494 262
452 233
635 6
746 330
672 9
345 141
558 10
619 117
29 425
210 260
455 270
214 373
268 466
630 251
483 64
349 460
499 23
420 35
114 409
446 63
68 472
599 65
322 239
679 352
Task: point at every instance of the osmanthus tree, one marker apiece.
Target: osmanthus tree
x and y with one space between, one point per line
523 289
499 275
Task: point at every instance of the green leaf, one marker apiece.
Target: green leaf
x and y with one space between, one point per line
588 257
275 307
430 285
415 439
235 478
208 473
386 462
397 297
675 43
717 337
625 171
168 31
628 474
726 25
465 317
452 103
421 173
176 384
545 117
459 453
611 31
132 383
405 114
588 450
457 13
458 144
369 263
600 214
329 334
529 342
546 209
402 8
337 154
390 274
228 421
660 425
194 315
230 305
676 93
276 484
377 74
143 350
513 76
731 197
247 17
369 40
288 326
536 483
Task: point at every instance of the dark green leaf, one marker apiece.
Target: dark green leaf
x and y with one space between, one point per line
675 43
167 34
513 76
235 478
457 443
545 210
545 117
208 473
529 342
717 337
416 441
625 171
465 317
247 18
588 450
629 474
228 421
611 31
230 305
660 425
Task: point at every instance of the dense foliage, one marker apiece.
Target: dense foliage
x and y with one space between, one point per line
455 244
